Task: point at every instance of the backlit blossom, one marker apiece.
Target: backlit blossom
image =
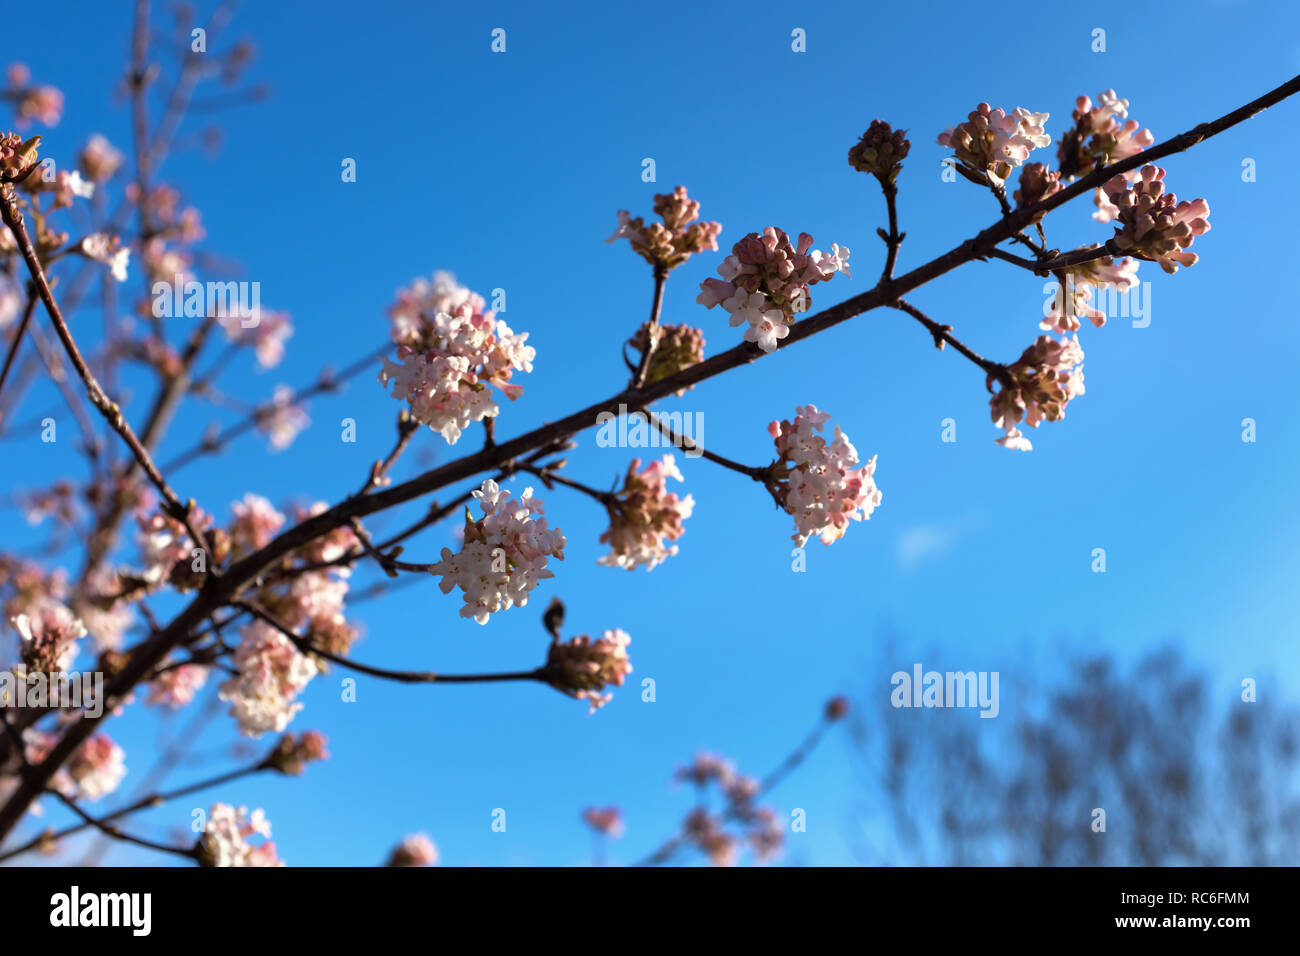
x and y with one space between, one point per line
705 768
99 159
177 686
607 821
292 754
41 103
26 583
504 554
11 301
283 419
680 235
166 548
1101 135
310 601
705 831
96 768
271 672
49 632
581 667
645 515
109 250
317 594
328 547
1152 223
992 142
266 335
741 790
66 185
758 828
167 264
254 525
821 484
765 282
1073 299
766 326
1046 377
227 834
416 850
450 354
1107 211
766 834
106 614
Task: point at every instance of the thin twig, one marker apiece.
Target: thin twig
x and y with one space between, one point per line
28 312
13 218
404 677
943 333
652 327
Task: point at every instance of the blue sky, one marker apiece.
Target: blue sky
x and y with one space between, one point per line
508 169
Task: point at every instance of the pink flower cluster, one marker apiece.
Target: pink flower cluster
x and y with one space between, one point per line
167 549
450 353
765 282
266 336
880 151
581 667
504 554
328 547
1037 182
41 103
66 187
165 263
96 768
16 154
607 821
177 686
254 526
1075 287
821 484
1152 223
103 609
705 768
283 418
992 142
416 850
226 835
107 250
760 827
310 601
292 754
49 632
1046 377
271 672
99 159
644 515
677 347
1101 135
671 243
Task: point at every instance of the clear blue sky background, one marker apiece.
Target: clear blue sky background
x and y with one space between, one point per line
508 170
